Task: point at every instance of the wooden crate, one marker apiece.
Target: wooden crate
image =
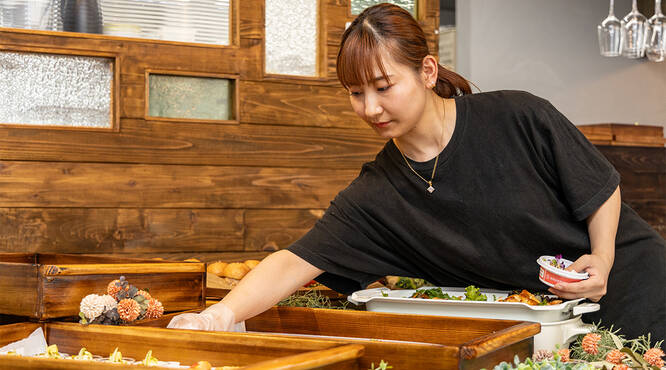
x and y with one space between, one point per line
618 134
46 286
251 351
405 341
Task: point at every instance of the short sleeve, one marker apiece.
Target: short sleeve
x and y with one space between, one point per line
585 176
343 244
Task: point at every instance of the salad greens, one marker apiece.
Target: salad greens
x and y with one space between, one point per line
472 293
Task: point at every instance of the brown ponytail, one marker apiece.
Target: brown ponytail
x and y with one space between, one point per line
393 28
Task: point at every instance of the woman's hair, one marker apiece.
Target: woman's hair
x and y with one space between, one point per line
389 27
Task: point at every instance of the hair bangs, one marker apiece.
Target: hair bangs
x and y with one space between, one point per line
358 57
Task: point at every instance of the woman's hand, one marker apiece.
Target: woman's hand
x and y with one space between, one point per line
593 288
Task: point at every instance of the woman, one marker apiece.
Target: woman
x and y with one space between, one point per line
469 189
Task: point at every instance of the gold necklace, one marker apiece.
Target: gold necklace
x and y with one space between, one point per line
430 188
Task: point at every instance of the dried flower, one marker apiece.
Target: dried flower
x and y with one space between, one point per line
621 367
154 309
109 302
541 355
92 306
590 343
653 356
128 310
144 294
614 356
565 354
114 288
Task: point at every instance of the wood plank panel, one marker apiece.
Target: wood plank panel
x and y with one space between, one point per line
62 184
296 104
114 230
268 229
235 256
185 57
251 14
197 143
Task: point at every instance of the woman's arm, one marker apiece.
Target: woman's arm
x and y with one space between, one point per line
602 228
275 278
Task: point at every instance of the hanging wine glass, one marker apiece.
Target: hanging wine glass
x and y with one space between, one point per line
656 41
610 34
635 27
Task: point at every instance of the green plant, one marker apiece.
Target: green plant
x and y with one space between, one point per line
383 365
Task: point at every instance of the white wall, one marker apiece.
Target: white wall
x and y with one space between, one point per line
549 48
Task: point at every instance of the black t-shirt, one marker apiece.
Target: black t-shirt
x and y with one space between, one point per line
516 181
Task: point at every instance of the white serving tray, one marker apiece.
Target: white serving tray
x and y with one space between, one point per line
398 301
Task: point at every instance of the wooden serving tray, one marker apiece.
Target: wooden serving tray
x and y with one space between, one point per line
251 351
46 286
217 287
405 341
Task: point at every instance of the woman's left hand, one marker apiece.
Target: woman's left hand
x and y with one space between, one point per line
592 288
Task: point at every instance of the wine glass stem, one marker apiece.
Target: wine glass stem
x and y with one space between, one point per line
610 10
657 7
634 6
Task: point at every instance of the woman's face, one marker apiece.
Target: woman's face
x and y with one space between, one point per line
391 109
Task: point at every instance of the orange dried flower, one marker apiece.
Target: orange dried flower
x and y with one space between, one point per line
590 343
653 356
564 354
112 289
144 294
154 309
621 367
615 356
128 310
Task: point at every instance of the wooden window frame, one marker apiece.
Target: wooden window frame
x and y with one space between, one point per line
234 106
115 86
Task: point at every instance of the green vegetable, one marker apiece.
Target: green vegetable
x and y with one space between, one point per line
473 293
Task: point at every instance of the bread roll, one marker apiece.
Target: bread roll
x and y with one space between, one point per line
251 263
236 270
216 268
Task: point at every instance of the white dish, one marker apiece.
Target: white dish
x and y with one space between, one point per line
398 301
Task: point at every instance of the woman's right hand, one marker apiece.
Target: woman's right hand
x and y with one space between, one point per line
217 317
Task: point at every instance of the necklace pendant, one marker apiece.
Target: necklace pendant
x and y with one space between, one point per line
430 189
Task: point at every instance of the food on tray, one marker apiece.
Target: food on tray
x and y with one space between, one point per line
192 259
122 304
401 282
236 270
201 365
149 360
216 268
531 299
51 352
251 263
83 355
472 293
116 357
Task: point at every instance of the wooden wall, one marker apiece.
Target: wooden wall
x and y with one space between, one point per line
179 189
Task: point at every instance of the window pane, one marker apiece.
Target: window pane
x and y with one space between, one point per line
357 6
49 89
291 37
190 97
205 21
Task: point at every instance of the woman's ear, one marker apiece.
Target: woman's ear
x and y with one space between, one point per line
429 71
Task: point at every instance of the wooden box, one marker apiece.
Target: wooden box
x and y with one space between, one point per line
618 134
251 351
46 286
404 341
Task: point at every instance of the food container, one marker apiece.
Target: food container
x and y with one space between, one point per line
46 286
398 301
560 322
404 341
250 351
560 333
551 275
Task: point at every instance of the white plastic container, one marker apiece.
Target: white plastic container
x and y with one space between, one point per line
551 275
398 301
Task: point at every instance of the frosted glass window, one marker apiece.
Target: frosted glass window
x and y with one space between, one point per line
58 90
357 6
190 97
291 37
204 21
